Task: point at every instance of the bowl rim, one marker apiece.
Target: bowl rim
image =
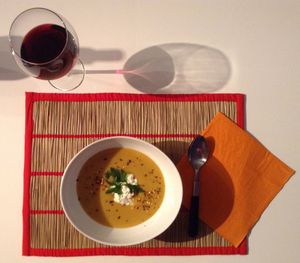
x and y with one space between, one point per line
171 217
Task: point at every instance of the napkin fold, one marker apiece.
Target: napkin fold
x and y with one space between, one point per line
239 180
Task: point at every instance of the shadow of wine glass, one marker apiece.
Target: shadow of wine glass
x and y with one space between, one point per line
177 68
89 55
9 69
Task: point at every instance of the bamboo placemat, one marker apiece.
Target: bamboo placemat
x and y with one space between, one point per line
59 125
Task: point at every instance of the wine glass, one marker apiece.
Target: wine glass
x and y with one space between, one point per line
45 46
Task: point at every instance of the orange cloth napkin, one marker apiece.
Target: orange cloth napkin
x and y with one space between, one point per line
238 181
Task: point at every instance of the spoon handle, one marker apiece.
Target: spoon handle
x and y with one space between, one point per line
193 216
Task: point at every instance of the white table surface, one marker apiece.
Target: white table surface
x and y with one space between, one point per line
259 38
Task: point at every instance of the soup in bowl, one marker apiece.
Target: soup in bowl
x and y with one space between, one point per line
121 191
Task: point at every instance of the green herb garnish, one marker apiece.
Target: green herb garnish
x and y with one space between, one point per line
115 189
116 178
135 188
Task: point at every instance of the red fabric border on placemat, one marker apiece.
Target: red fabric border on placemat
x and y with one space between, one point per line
32 97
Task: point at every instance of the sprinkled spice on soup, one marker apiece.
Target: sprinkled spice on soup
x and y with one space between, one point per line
120 187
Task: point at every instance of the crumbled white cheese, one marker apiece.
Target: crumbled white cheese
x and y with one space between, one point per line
125 197
131 179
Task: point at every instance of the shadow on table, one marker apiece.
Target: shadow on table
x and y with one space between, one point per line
177 68
9 70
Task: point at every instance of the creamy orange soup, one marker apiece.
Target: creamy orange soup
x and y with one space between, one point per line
92 188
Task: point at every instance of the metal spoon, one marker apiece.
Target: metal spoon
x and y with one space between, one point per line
198 155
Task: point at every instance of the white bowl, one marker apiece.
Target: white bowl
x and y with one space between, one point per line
147 230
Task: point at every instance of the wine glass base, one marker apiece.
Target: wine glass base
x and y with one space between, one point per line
72 80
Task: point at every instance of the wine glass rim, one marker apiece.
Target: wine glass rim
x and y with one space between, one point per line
17 53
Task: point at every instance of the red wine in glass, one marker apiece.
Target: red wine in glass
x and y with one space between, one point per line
49 51
45 46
